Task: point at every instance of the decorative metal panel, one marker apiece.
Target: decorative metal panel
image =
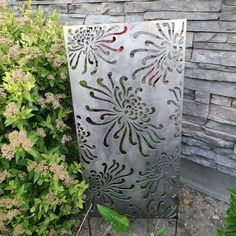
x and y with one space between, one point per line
127 83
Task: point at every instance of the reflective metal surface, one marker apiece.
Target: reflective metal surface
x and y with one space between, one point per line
127 83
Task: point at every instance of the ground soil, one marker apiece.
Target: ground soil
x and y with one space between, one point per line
200 215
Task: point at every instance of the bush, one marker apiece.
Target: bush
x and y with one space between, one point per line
39 187
230 218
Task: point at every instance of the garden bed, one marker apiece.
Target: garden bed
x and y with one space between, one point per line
200 215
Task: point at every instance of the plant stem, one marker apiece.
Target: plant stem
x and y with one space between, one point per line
85 217
107 230
156 226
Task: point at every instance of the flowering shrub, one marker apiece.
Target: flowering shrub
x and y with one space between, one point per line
40 187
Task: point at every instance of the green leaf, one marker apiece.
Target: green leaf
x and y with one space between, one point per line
219 233
22 162
27 96
21 189
162 231
34 153
119 223
28 232
36 177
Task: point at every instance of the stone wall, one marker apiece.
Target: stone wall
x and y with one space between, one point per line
209 125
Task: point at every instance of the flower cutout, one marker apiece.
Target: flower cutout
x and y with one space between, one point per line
165 50
125 114
88 44
86 151
163 171
164 207
177 116
109 183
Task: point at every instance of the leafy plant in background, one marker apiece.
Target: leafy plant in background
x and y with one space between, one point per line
230 219
40 185
161 232
120 223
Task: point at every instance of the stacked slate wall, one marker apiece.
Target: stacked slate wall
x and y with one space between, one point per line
209 120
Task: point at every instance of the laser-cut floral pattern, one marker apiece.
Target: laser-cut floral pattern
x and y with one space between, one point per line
89 44
108 184
166 207
86 150
177 115
129 130
165 50
129 118
163 171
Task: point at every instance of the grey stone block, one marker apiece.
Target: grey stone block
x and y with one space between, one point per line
61 8
195 142
228 13
224 161
98 8
221 134
226 170
210 75
76 19
173 5
161 15
187 125
211 26
224 128
225 115
216 87
195 119
224 151
226 58
230 69
221 100
195 109
189 94
202 97
138 17
230 2
232 38
188 91
218 142
215 46
234 103
103 19
186 155
211 37
191 65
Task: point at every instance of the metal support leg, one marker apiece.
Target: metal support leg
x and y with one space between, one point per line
176 226
177 216
89 226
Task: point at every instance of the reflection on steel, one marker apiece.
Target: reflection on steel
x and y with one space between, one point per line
127 83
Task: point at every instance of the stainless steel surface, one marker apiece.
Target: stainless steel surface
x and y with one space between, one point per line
127 83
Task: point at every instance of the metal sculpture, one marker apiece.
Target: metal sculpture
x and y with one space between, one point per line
127 83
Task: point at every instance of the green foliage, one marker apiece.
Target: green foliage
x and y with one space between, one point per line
161 232
219 233
230 219
40 185
119 223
